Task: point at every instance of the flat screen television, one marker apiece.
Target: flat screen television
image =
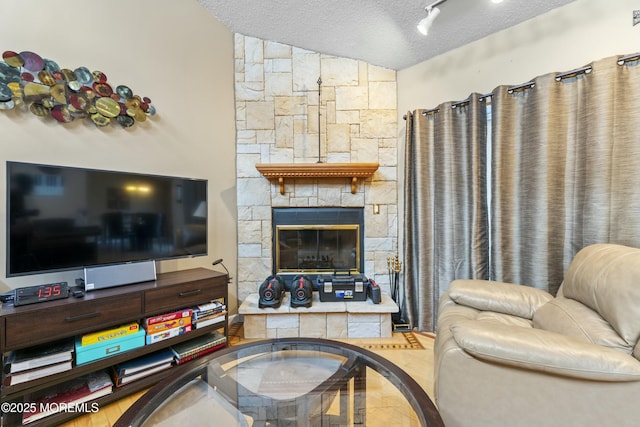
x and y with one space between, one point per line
65 218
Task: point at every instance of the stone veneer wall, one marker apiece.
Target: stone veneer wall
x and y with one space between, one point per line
277 122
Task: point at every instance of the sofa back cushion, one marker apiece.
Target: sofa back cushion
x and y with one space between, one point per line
569 317
606 278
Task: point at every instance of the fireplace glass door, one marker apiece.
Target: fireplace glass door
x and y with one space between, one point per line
317 248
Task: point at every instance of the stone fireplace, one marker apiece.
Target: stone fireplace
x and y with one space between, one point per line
281 118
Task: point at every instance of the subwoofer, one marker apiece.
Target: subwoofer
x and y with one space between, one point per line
271 292
301 290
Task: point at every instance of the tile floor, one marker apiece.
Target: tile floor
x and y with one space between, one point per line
413 352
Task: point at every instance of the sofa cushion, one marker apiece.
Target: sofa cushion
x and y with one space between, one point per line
506 319
606 278
569 317
544 351
507 298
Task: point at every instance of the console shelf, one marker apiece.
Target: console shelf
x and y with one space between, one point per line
317 170
108 307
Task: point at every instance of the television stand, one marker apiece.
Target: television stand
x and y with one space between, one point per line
23 326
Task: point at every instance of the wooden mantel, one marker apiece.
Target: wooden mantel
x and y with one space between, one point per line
317 170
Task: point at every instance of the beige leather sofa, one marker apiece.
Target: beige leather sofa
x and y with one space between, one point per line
511 355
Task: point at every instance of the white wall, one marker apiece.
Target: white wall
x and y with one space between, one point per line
563 39
560 40
175 53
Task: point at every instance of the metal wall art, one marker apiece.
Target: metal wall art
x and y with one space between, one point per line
39 84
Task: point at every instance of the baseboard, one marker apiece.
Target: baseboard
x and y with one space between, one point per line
234 318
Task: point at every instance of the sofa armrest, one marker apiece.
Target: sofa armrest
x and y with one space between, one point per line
507 298
545 351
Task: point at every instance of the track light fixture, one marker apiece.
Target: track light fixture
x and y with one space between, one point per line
432 13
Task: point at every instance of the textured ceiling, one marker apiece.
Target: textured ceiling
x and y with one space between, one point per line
380 32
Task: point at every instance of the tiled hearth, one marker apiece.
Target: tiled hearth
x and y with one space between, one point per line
334 320
277 101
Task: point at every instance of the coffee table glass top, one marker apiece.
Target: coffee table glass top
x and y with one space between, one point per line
286 382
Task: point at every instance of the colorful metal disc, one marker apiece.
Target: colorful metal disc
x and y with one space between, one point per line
79 101
59 93
32 61
99 77
69 75
35 91
75 85
16 89
39 109
51 66
100 120
107 107
46 77
5 93
126 121
124 92
8 73
61 114
7 105
27 77
102 89
84 76
132 103
13 59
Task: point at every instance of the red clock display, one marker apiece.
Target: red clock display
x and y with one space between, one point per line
48 291
41 293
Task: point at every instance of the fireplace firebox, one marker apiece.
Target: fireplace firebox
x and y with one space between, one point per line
316 241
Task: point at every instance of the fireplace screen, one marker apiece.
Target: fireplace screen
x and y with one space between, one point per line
317 248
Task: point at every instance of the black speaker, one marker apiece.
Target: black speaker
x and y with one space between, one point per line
301 290
271 292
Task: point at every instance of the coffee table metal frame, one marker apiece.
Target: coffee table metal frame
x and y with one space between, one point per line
352 369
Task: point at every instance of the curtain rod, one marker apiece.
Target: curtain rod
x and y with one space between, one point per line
574 73
518 88
624 59
481 98
522 87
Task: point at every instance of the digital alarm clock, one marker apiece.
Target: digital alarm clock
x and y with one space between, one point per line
40 293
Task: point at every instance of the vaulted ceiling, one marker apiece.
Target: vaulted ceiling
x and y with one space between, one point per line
380 32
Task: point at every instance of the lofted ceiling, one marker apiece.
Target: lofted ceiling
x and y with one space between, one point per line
380 32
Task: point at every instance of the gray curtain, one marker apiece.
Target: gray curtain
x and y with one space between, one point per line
530 131
446 233
564 161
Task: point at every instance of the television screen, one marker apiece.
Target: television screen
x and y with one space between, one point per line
63 218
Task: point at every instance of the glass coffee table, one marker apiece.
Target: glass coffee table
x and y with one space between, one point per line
286 382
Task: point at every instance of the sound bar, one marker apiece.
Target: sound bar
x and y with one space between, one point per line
109 276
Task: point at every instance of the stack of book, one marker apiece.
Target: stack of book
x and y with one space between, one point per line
209 314
110 334
74 395
192 349
133 370
37 362
167 325
108 342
